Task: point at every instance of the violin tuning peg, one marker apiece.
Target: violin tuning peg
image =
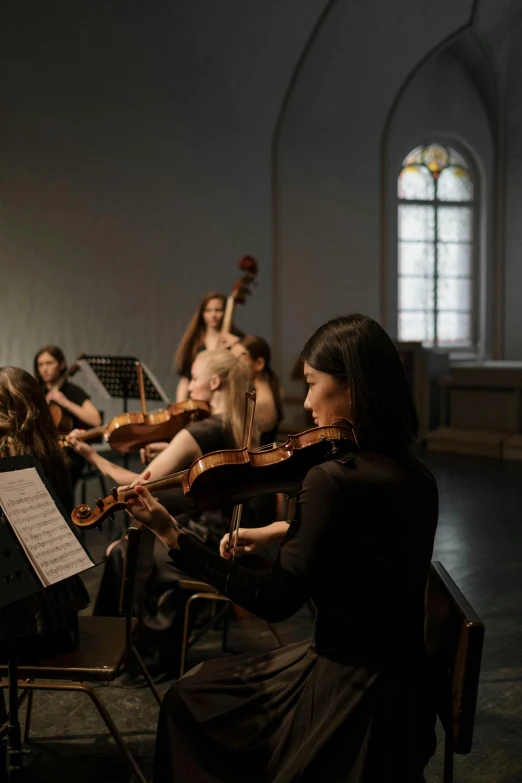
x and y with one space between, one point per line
114 493
99 502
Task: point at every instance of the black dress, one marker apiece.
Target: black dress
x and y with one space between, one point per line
349 706
77 395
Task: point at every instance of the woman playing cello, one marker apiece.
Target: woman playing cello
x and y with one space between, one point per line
50 370
203 333
349 706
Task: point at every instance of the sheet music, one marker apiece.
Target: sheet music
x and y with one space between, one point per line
51 546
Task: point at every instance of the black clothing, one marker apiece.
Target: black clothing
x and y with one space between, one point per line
161 598
347 707
77 395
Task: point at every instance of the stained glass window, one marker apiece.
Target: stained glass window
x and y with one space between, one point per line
435 253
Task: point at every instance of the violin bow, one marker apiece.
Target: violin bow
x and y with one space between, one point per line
248 427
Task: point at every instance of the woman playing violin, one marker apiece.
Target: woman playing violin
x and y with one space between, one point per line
218 378
50 370
221 380
203 333
47 619
351 705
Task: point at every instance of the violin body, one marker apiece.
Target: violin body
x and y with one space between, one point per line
62 418
131 431
225 478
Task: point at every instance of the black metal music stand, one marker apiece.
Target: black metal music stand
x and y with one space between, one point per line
117 375
17 581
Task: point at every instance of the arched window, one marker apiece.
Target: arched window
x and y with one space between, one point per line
436 248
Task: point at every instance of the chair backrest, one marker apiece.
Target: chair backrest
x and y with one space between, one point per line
454 638
137 567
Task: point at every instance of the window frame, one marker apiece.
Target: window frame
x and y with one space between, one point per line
475 204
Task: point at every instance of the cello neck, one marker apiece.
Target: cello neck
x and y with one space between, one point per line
229 314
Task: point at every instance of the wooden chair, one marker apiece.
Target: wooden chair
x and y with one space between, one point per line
454 637
105 650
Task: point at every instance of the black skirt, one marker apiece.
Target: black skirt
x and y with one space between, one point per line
293 715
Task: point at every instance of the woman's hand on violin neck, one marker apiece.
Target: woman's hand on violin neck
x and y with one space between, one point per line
149 512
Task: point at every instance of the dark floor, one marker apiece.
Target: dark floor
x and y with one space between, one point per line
479 541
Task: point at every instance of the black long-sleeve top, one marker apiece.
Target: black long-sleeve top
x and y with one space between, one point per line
360 546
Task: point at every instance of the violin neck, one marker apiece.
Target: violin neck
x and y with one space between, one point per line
167 482
229 314
94 432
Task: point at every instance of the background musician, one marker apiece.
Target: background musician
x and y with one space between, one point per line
47 619
352 704
50 370
202 333
255 352
218 378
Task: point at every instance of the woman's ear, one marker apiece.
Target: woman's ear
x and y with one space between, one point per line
259 364
215 383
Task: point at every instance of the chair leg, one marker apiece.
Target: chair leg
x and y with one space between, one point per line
28 714
448 761
102 710
184 638
145 672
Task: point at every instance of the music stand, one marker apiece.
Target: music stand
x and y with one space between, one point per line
115 376
17 581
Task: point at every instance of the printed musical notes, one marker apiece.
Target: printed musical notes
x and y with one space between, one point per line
52 548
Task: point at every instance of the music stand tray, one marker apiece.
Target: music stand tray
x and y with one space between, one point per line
115 376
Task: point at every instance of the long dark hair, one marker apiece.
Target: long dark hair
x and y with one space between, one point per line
192 340
57 354
358 353
259 349
26 425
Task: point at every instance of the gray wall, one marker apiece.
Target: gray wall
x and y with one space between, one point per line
328 222
135 162
135 167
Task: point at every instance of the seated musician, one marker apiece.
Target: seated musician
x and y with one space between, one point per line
46 620
202 333
255 352
351 705
221 380
50 370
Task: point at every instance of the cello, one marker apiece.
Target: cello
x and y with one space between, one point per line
238 295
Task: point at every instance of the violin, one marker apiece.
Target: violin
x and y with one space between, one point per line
230 477
62 418
240 291
131 431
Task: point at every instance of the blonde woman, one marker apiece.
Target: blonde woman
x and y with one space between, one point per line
217 377
220 379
